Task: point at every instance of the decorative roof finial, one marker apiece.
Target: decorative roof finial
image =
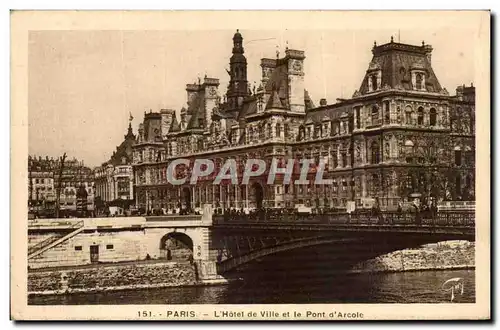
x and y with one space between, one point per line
423 43
392 39
277 52
375 44
287 45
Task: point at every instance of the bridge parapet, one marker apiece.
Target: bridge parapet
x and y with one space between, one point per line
460 218
120 222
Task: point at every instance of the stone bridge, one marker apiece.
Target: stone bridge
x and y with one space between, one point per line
220 244
240 239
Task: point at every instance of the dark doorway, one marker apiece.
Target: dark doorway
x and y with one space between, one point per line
94 254
186 198
258 193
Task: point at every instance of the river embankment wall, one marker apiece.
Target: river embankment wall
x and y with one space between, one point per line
142 275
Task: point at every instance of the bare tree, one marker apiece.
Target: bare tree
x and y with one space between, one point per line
432 169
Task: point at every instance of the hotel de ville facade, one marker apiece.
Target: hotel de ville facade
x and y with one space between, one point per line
400 135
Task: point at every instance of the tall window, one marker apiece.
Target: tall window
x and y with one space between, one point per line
375 152
344 158
432 117
374 115
458 157
418 80
286 130
409 151
335 159
420 116
358 117
408 116
374 82
278 130
387 113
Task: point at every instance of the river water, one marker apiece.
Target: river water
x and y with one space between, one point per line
289 288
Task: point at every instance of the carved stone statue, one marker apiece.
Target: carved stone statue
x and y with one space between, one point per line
358 153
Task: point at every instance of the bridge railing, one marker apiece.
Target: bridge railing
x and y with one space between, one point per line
460 218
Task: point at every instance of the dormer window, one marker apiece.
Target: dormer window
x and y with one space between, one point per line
418 81
374 77
374 82
418 77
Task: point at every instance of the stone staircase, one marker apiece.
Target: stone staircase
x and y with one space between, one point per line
54 240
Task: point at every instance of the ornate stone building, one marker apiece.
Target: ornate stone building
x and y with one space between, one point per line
400 135
114 179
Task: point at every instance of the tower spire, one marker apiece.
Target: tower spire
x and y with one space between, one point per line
238 84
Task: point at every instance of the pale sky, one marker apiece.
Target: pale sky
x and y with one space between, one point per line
84 84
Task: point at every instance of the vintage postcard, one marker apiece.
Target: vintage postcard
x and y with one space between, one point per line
250 165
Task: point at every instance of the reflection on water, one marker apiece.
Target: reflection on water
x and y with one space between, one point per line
287 288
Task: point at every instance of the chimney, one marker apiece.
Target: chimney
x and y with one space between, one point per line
428 52
167 116
322 102
268 65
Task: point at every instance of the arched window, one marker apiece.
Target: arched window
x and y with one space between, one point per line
408 111
302 133
374 82
409 151
269 130
374 115
375 153
278 130
418 80
432 117
387 112
420 116
285 129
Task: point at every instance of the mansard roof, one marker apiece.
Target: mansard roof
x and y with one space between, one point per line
249 108
124 150
274 101
307 101
174 127
396 61
327 113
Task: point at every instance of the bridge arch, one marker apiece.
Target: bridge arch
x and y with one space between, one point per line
366 247
176 246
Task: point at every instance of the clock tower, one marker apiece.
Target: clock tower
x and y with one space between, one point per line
238 84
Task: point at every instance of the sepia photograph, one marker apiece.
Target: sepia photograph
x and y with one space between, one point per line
170 168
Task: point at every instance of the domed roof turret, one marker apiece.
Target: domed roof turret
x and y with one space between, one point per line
237 36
